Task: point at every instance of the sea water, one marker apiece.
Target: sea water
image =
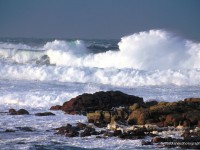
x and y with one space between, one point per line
36 74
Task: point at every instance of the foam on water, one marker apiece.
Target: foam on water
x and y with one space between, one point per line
155 49
111 76
155 57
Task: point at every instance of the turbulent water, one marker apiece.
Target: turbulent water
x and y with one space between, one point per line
38 73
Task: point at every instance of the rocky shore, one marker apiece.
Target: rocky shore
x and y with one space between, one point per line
116 114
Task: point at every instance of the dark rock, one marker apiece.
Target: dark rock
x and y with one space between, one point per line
193 117
173 119
68 131
159 139
26 129
108 134
117 133
19 112
81 126
192 100
100 101
133 134
106 116
12 112
21 143
44 60
9 130
72 133
88 132
146 142
186 134
186 123
100 124
45 114
151 103
22 112
57 107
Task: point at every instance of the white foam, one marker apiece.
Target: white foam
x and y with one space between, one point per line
155 57
155 49
112 76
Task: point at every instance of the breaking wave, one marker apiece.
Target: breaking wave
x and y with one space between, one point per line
156 57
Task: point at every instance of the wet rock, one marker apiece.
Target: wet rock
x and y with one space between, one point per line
81 126
186 123
193 117
173 119
19 112
146 142
95 117
133 134
9 130
106 116
160 139
168 113
134 107
68 131
44 60
138 117
21 143
88 132
57 107
186 134
151 103
45 114
26 129
12 112
22 112
100 101
117 133
108 134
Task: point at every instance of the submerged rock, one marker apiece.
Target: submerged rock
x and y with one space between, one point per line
45 114
26 129
9 130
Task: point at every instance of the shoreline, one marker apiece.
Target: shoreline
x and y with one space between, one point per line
128 117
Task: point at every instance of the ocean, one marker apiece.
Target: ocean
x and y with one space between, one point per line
36 74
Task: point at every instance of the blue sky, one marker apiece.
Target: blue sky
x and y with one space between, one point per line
97 19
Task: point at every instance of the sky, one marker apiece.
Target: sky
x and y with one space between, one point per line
97 19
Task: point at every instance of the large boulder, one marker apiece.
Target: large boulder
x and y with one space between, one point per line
100 101
184 113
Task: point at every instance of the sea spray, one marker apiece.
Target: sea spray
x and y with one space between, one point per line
149 50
